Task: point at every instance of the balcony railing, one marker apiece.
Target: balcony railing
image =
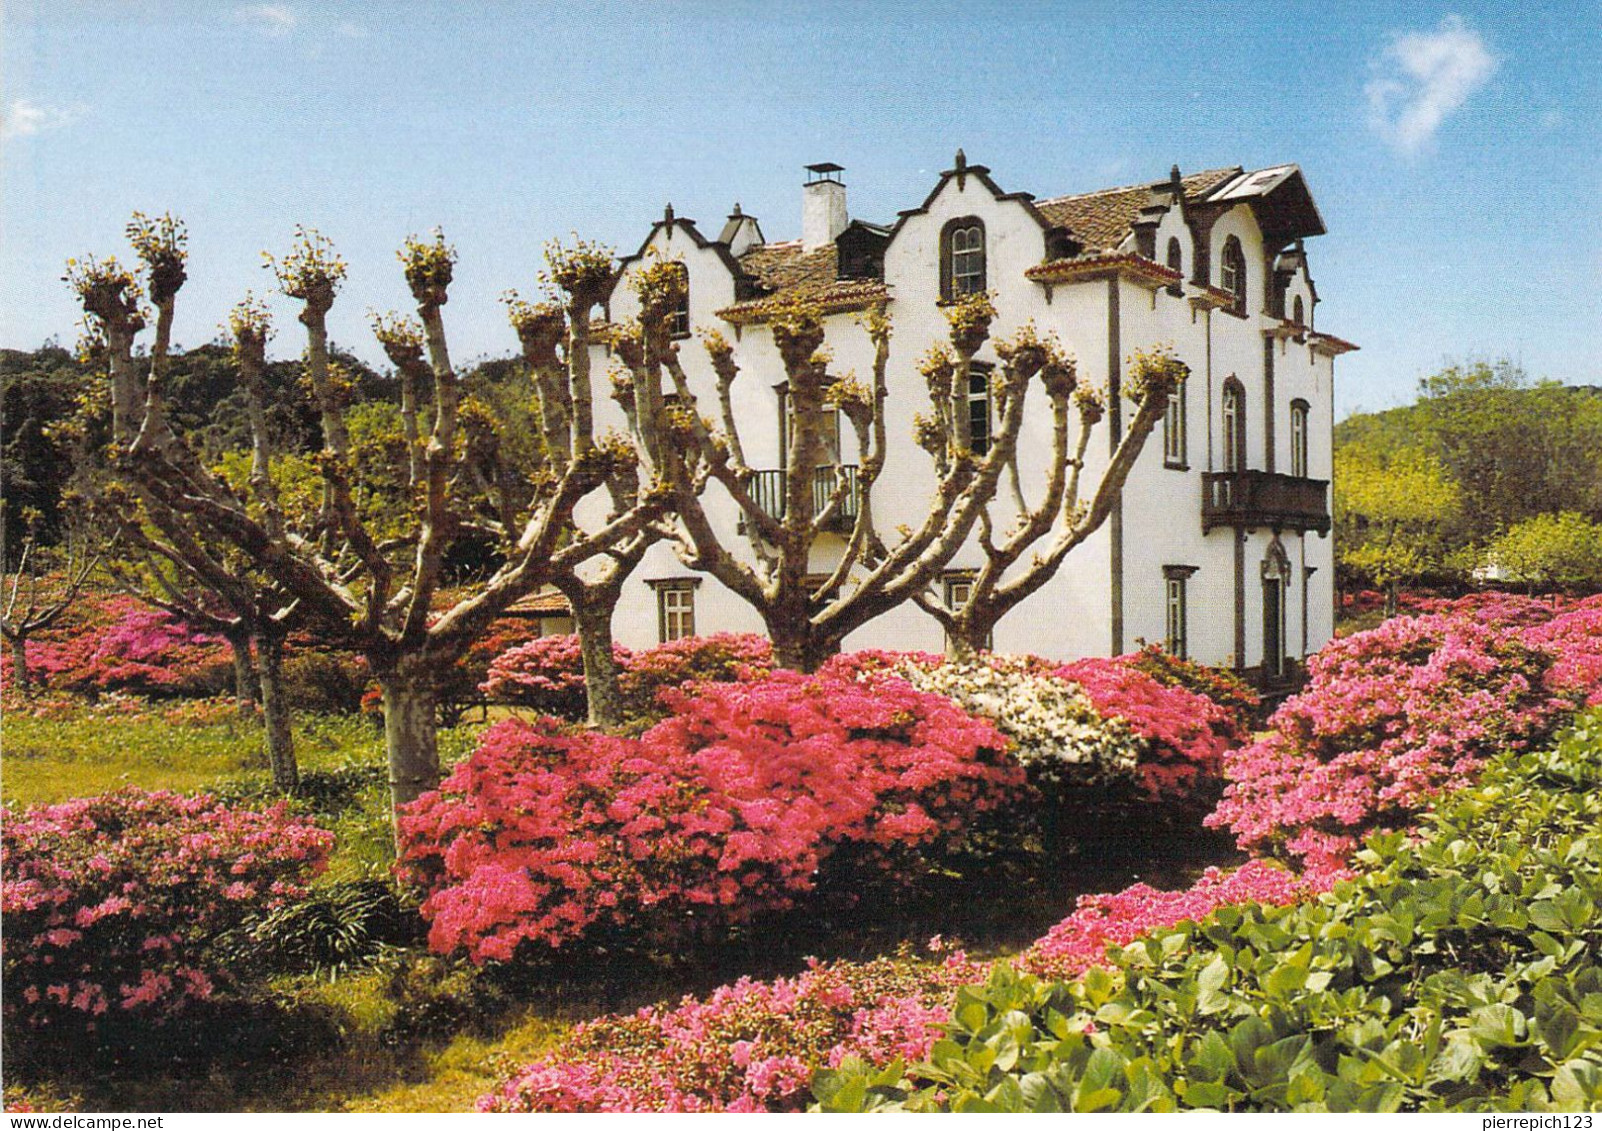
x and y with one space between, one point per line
1263 498
768 490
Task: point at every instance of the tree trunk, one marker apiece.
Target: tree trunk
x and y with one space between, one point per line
20 676
275 709
409 735
1392 600
802 652
247 688
593 619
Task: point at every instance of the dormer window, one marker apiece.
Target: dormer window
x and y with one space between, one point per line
1176 262
1298 312
679 320
1232 273
962 258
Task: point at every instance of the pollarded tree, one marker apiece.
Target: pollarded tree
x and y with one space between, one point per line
807 618
46 583
999 585
376 596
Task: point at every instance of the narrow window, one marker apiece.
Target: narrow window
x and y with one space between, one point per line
1176 262
1234 426
1232 272
962 258
675 606
679 320
1298 312
1298 421
1174 618
979 411
1174 429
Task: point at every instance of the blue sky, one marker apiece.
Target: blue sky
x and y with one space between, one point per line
1453 149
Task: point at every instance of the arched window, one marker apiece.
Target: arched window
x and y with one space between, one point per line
1299 437
962 258
1232 272
1234 426
1176 262
679 320
1298 312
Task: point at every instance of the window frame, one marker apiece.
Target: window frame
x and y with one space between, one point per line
1299 419
1176 442
1232 275
981 371
666 590
1176 610
679 320
963 226
950 582
1233 421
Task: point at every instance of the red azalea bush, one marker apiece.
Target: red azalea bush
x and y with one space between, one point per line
750 1046
1186 734
1099 921
111 902
1390 718
118 644
748 797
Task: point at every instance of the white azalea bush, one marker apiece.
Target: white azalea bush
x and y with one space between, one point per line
1057 733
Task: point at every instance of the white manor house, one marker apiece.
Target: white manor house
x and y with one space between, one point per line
1220 547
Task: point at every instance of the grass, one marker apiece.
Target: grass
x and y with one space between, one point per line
414 1032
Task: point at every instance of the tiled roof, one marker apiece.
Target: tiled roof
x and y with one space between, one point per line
1103 263
791 272
1101 220
541 604
1330 344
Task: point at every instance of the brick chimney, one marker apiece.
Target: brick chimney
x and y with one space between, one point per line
823 206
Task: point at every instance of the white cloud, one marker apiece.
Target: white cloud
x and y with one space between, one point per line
1423 77
24 117
275 20
350 29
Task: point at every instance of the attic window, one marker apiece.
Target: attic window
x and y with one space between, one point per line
962 258
1176 262
1232 273
679 320
1298 312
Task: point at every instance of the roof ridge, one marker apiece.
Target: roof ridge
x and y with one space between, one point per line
1135 187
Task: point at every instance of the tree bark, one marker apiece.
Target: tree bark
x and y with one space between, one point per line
410 741
20 676
593 619
1392 601
275 710
247 688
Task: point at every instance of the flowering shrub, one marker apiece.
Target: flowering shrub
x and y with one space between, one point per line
1390 718
750 1046
1183 735
117 644
546 674
1224 688
721 658
1099 921
1573 639
1057 734
111 903
738 804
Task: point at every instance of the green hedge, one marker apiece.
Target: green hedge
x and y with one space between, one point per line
1463 971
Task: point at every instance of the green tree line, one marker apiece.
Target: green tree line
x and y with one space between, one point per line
1487 474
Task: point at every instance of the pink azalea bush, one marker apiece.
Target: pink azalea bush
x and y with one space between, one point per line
118 644
1390 718
1081 940
1574 640
750 1046
1185 735
547 674
748 797
110 903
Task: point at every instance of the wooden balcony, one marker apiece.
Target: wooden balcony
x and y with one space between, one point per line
1253 499
768 489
